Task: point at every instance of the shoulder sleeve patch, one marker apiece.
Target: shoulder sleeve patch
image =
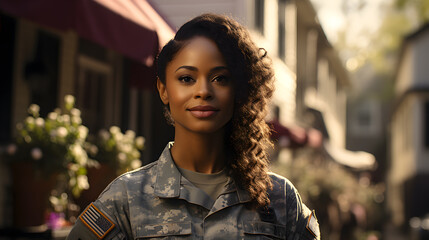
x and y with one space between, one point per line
96 221
313 225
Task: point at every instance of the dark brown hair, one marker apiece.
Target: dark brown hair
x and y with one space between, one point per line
247 134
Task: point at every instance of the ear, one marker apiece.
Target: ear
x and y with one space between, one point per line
162 90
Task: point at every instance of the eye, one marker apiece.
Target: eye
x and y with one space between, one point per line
186 79
221 79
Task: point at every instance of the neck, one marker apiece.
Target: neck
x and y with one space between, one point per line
197 152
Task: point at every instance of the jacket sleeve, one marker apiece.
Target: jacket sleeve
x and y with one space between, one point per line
301 223
95 224
106 218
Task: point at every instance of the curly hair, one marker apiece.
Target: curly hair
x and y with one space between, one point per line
247 134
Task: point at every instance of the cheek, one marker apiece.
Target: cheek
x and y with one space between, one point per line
228 101
177 98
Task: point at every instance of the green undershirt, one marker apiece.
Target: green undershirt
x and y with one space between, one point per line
213 184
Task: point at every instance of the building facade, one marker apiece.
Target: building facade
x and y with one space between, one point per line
99 52
408 174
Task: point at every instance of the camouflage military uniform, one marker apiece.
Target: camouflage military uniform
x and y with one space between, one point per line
151 203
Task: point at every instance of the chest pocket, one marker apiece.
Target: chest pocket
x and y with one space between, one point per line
263 230
170 230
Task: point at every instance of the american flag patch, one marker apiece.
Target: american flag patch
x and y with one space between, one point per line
95 220
313 225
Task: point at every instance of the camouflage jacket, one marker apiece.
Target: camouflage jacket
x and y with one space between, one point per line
151 203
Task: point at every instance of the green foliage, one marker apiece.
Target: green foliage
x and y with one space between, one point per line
419 8
54 144
121 151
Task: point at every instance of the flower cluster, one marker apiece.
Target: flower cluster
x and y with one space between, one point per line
122 151
54 144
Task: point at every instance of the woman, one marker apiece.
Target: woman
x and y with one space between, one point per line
213 181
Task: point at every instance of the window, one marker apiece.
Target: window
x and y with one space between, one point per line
94 84
259 15
41 73
91 85
366 118
282 29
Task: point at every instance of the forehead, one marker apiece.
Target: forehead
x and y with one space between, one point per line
199 51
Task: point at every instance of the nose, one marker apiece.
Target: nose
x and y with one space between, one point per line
203 89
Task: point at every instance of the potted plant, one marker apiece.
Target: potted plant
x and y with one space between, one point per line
121 151
44 150
115 153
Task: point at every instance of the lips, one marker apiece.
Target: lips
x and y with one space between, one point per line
203 111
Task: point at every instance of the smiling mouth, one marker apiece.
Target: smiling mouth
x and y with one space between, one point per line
203 111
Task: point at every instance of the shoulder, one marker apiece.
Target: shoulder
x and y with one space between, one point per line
137 176
133 182
284 191
283 185
301 221
107 217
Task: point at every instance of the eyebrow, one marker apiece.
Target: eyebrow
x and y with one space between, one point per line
187 67
191 68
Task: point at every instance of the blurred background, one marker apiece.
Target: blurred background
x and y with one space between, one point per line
350 114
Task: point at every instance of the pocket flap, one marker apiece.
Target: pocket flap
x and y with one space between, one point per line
164 229
264 228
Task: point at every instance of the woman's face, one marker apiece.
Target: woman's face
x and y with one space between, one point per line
198 89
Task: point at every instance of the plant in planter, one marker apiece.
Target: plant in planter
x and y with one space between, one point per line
50 147
121 151
116 153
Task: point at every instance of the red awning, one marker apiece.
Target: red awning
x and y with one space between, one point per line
130 27
295 137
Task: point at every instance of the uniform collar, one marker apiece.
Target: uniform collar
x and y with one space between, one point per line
167 182
168 178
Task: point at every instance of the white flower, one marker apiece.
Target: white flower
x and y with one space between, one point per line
83 131
27 139
136 163
69 100
62 132
29 120
75 112
140 142
135 154
73 167
80 154
82 181
126 148
122 158
93 149
77 120
104 134
65 118
36 153
40 122
52 115
118 137
34 109
114 130
130 134
11 149
72 181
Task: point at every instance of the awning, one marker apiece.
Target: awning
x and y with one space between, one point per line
130 27
294 136
297 137
358 160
